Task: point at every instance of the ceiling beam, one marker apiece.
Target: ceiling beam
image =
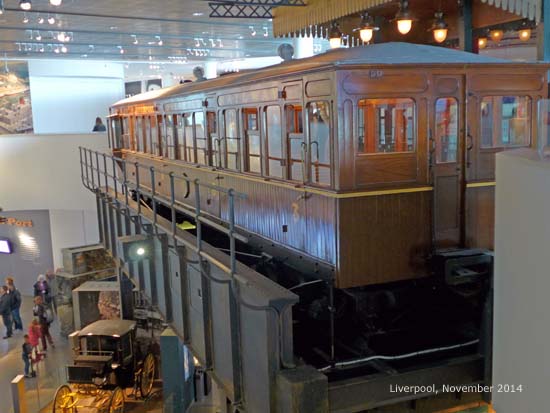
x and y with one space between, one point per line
238 11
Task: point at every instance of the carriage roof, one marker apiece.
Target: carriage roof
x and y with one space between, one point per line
108 328
394 53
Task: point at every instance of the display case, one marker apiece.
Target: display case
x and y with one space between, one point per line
96 300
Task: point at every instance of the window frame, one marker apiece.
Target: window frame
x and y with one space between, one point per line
266 155
501 147
246 155
415 128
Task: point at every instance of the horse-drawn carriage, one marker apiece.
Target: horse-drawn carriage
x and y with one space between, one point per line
107 359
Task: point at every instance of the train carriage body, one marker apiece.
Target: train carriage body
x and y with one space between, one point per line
357 164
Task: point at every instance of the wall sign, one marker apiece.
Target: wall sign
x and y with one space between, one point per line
15 222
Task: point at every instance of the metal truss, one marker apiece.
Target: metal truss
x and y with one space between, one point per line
248 9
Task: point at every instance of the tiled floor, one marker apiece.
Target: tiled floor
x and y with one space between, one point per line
51 371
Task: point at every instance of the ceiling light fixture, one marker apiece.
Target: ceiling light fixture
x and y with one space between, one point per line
64 49
496 35
1 7
51 19
266 32
56 2
25 5
335 36
404 18
121 50
38 36
198 14
439 28
524 34
135 39
367 29
25 18
252 31
482 42
40 20
159 40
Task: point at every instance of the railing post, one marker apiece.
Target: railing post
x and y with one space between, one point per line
105 173
115 177
172 209
98 172
153 200
138 190
86 166
197 216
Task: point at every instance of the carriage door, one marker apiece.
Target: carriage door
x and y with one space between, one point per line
447 160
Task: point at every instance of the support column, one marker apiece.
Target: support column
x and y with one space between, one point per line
465 31
177 373
543 34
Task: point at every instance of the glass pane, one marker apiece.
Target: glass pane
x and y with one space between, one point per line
446 130
189 141
200 138
139 134
544 128
505 121
180 129
212 129
294 119
386 125
319 142
231 140
274 144
253 151
154 136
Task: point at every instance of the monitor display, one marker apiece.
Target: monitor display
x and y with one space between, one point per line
5 246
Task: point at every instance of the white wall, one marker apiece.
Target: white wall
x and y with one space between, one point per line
522 282
43 172
68 95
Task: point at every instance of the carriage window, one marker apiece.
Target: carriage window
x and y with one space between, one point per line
319 142
148 145
189 147
155 145
505 121
252 141
138 134
200 139
231 139
446 130
386 125
212 130
171 137
272 116
295 143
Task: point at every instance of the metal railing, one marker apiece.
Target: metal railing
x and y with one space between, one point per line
99 175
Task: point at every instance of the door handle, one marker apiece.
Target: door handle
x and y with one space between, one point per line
469 147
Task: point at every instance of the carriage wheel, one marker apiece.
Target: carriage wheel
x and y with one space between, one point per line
147 375
64 400
116 404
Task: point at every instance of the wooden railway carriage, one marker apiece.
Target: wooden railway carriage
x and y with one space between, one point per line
359 163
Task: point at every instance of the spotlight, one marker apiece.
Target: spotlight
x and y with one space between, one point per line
482 42
64 49
439 28
524 35
135 39
51 19
496 35
25 5
367 28
140 251
56 2
335 36
159 40
252 31
38 36
121 50
40 20
25 18
404 18
136 247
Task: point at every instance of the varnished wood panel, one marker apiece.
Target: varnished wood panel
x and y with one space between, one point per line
480 217
498 82
316 88
380 81
387 238
381 168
